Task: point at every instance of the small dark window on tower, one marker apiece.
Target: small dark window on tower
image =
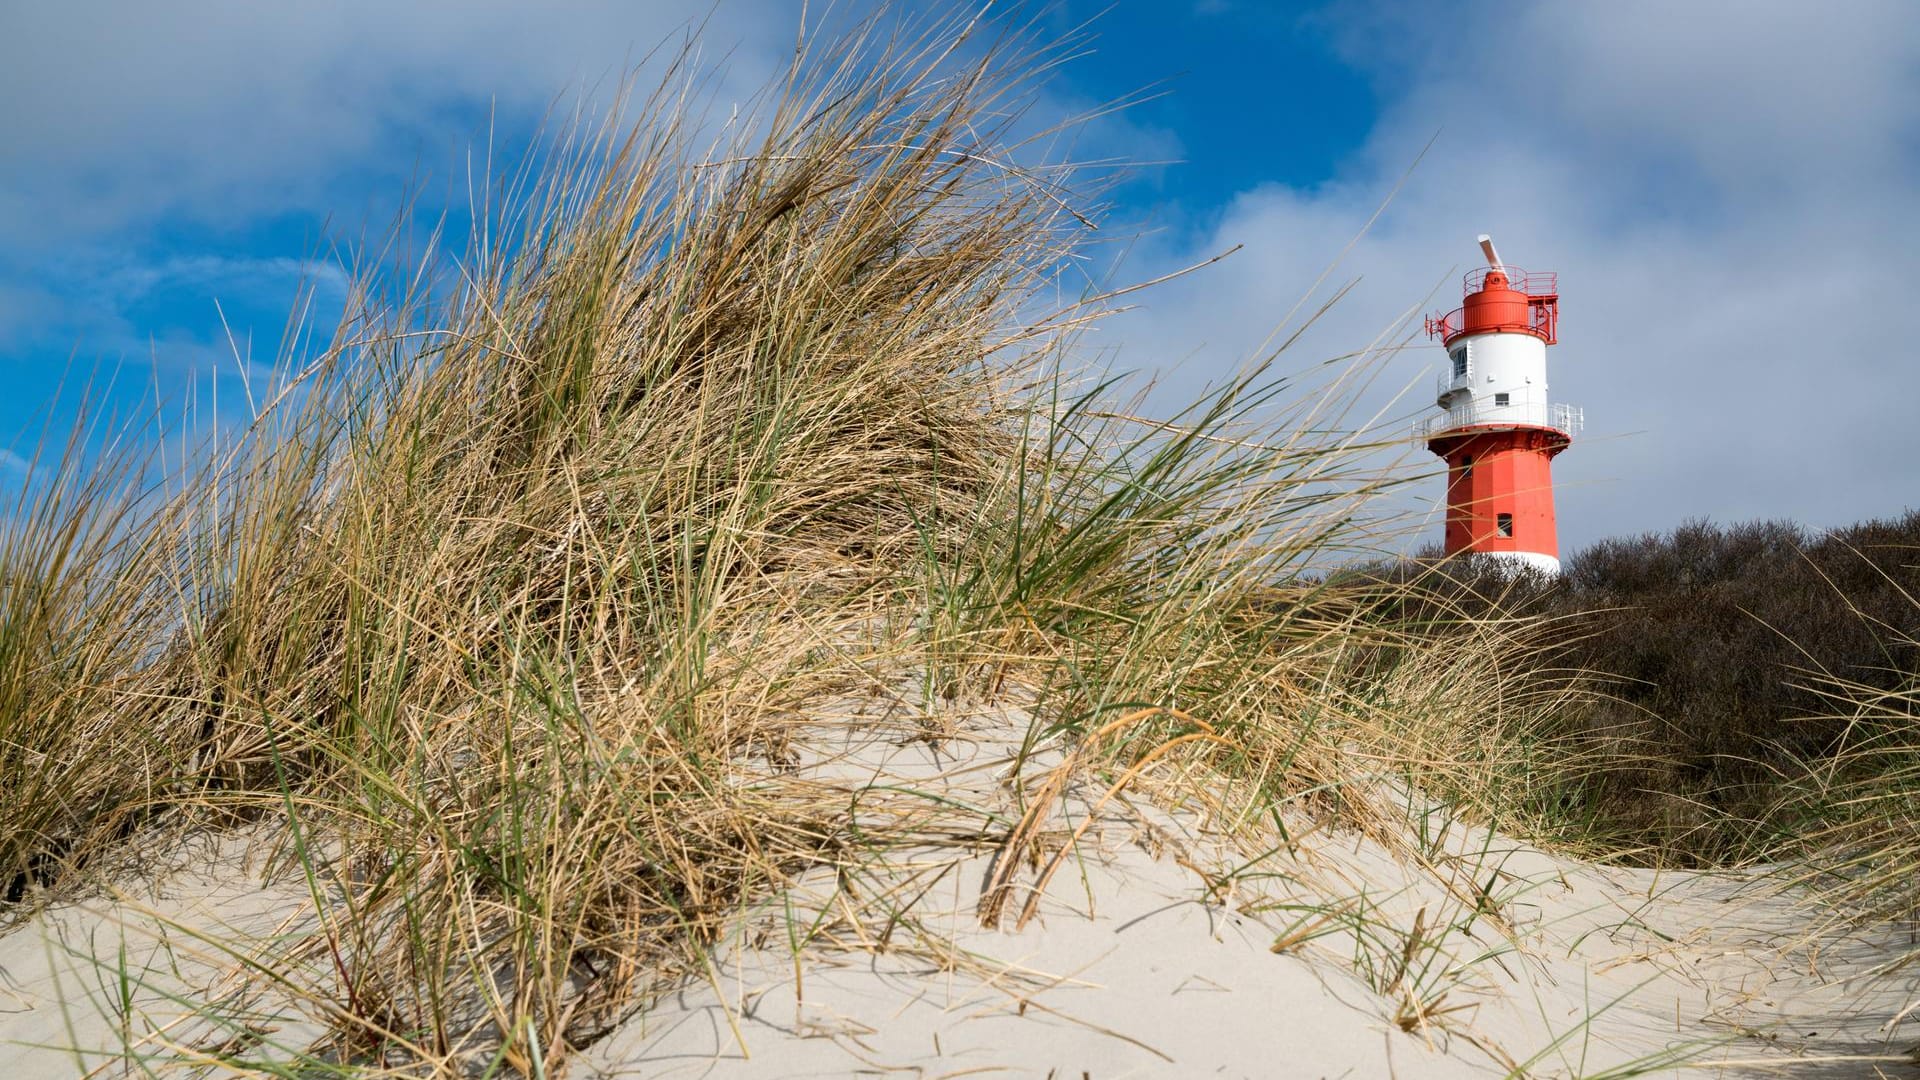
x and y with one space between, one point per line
1505 524
1459 361
1466 466
1500 399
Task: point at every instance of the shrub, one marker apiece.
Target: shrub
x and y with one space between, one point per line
1733 664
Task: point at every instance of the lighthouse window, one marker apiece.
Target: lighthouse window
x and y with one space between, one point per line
1500 399
1460 361
1505 524
1466 466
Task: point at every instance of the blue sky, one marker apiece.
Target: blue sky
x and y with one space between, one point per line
1730 192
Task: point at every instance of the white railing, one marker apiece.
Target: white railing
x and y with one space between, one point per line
1480 411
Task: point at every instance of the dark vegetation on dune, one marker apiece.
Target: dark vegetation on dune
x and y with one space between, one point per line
1756 684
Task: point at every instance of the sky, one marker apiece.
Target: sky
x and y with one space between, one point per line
1729 192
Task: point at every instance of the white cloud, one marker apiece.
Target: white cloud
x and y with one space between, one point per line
125 113
148 145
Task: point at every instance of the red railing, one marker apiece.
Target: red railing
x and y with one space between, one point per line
1545 283
1543 304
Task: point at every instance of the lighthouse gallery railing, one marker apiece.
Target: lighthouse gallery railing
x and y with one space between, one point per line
1567 418
1543 302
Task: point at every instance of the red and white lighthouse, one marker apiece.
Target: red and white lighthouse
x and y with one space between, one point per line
1500 432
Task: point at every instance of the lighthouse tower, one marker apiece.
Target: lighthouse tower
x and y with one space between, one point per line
1499 433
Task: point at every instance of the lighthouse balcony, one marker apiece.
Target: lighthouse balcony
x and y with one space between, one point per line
1449 383
1485 412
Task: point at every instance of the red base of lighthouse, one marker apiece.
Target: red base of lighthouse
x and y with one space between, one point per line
1500 489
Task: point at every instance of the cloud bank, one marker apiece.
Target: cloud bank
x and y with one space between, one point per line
216 111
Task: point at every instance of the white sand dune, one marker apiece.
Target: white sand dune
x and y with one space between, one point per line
87 988
1151 953
1143 963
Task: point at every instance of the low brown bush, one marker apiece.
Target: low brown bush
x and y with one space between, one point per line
1744 671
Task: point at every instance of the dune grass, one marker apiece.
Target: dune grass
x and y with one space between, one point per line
83 615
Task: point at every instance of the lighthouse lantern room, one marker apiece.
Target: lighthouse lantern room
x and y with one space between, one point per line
1500 432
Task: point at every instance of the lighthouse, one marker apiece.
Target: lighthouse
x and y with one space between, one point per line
1499 431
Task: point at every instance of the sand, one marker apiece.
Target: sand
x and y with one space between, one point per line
1140 963
1163 947
86 987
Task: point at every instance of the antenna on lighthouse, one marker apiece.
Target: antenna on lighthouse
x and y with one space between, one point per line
1493 257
